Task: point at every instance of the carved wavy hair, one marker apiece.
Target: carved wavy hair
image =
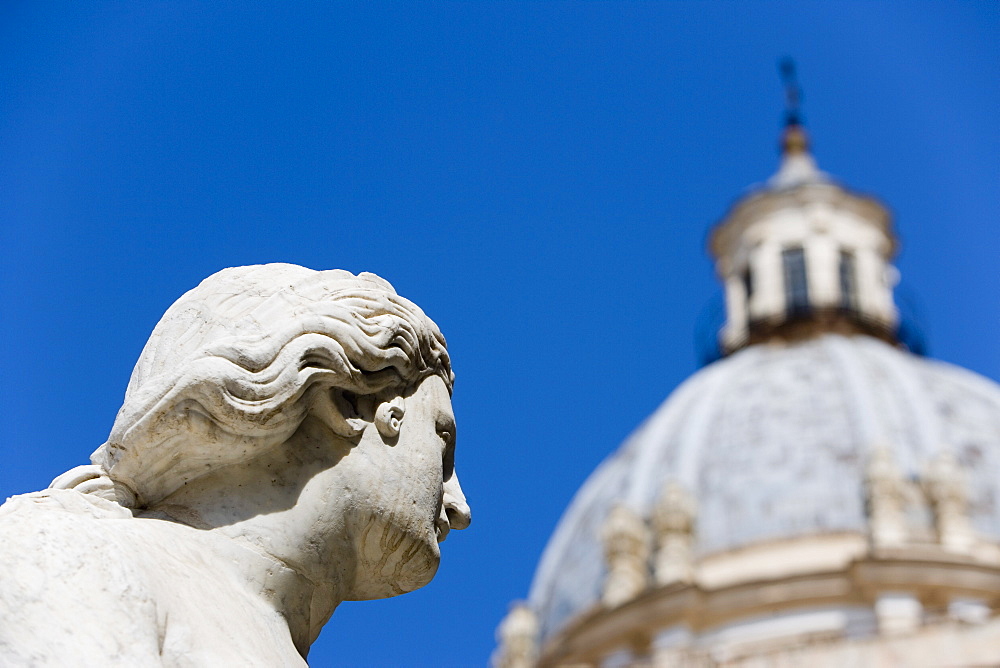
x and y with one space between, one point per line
235 364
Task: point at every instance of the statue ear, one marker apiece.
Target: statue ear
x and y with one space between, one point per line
388 418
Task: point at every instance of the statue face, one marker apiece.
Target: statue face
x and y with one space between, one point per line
366 514
414 499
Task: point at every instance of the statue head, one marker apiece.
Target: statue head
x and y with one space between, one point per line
253 355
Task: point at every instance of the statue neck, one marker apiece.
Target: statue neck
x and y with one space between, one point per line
304 604
277 520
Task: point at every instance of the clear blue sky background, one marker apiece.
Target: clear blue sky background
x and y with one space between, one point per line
539 177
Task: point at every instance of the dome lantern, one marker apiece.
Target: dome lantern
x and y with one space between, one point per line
803 255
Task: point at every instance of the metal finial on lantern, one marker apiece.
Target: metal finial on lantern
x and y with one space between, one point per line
794 138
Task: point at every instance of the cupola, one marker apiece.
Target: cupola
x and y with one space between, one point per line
802 255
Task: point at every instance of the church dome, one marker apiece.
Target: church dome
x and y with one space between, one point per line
776 442
820 496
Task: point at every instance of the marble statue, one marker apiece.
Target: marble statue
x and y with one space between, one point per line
286 443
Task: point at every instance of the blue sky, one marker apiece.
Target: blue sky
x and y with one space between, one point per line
539 177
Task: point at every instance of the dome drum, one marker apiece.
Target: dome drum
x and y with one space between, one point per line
873 596
889 581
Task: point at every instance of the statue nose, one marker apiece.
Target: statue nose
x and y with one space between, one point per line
455 505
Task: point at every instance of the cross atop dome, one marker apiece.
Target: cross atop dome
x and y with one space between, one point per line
797 163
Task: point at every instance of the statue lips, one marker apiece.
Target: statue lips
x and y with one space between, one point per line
442 526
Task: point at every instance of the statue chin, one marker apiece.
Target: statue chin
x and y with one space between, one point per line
394 559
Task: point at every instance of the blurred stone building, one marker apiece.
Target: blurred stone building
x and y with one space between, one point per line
822 495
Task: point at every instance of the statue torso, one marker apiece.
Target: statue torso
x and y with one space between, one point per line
83 582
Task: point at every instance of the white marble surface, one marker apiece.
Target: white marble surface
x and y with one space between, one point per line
286 443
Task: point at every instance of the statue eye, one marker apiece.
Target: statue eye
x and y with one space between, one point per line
448 462
446 432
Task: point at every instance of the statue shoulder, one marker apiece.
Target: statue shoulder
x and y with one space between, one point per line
17 508
66 589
